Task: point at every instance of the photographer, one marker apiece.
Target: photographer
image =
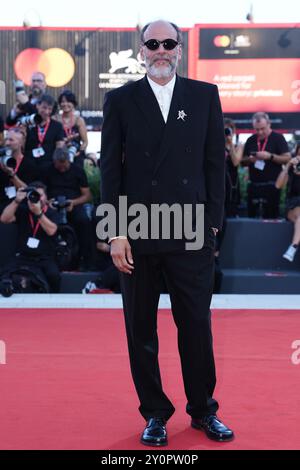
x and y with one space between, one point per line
26 104
15 170
233 157
36 231
73 125
264 153
44 136
290 175
64 178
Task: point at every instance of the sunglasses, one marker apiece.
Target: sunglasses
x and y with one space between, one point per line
168 44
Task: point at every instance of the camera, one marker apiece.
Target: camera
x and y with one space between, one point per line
5 151
6 159
73 148
32 194
227 131
32 120
60 204
19 86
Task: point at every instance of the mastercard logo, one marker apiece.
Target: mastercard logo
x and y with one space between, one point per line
221 41
57 65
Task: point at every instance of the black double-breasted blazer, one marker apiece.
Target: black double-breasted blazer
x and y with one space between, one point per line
153 162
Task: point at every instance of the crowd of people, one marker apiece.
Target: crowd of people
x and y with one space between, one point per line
271 167
44 148
45 187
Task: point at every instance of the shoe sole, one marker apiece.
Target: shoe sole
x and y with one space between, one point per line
152 444
200 428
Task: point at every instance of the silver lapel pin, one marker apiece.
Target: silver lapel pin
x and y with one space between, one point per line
181 115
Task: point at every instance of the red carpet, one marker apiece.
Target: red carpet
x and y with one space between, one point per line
67 385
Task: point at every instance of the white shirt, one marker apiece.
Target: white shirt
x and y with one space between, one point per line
163 94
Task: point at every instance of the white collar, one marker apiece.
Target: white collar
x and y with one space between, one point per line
168 86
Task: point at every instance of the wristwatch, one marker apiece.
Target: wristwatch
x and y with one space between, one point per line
271 157
40 215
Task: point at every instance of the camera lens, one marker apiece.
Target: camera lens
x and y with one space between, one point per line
8 161
73 149
32 120
33 196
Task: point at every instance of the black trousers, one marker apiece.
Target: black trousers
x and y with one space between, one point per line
189 278
263 200
84 231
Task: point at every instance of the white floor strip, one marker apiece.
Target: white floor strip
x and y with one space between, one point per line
109 301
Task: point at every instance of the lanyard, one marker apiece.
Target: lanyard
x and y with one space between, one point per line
37 226
42 135
18 165
68 129
261 147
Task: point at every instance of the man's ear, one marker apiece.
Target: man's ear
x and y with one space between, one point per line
142 53
179 52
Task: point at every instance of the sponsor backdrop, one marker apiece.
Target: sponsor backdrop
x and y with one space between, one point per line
256 67
87 61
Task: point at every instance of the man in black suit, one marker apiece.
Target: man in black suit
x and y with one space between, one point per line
163 142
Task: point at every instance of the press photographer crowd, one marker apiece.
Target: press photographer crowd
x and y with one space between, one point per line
48 189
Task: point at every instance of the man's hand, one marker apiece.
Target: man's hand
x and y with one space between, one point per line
71 137
263 155
70 206
121 255
17 109
22 97
21 195
293 161
252 159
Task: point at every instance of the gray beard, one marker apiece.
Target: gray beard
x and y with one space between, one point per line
162 72
36 92
166 72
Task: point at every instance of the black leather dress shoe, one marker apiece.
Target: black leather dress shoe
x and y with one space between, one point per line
213 428
155 433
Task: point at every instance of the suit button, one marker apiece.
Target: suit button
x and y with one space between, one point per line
147 154
154 183
188 149
185 181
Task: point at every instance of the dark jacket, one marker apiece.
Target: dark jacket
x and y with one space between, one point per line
150 161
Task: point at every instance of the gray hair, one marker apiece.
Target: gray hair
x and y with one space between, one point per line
177 29
261 115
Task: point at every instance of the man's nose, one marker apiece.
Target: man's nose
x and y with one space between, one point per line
161 48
